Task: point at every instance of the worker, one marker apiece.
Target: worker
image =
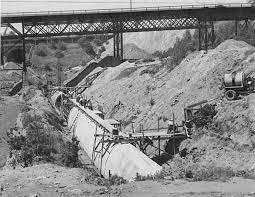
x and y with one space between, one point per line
45 90
83 102
78 98
188 127
249 80
171 127
89 104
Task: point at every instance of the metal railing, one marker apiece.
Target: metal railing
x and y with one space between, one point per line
120 10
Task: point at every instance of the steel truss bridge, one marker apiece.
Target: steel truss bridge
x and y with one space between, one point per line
119 21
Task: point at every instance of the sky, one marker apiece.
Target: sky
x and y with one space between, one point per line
60 5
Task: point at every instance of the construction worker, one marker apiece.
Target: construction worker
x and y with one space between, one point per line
83 102
78 98
89 104
171 127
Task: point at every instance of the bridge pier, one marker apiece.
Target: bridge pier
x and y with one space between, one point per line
118 45
24 69
2 54
246 26
206 35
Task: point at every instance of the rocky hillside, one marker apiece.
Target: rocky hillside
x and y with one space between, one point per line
154 40
141 91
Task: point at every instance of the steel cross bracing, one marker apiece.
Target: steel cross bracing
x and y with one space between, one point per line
80 28
118 21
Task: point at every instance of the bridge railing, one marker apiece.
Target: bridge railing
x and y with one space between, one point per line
119 10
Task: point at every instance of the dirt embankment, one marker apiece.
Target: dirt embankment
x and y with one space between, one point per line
141 92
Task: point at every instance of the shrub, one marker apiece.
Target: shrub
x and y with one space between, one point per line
41 50
157 176
47 67
36 143
88 48
69 155
185 168
17 142
42 144
211 172
61 46
52 45
59 54
84 39
117 180
204 116
98 42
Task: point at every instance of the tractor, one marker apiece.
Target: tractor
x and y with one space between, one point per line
237 83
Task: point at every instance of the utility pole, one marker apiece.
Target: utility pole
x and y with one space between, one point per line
130 4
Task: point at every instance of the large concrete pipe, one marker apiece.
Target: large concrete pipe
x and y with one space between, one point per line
123 160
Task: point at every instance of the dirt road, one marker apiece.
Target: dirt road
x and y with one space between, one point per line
51 180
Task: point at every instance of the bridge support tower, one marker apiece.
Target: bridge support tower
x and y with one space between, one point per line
206 35
118 45
244 26
24 71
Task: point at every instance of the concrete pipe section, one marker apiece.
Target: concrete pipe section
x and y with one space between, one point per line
123 160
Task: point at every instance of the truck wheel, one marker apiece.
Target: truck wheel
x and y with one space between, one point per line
231 95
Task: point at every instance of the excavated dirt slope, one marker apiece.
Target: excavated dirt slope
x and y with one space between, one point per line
142 91
127 91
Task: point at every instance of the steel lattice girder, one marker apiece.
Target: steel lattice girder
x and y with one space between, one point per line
154 19
39 30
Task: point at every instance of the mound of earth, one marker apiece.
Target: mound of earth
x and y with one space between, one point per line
197 78
146 42
140 92
130 51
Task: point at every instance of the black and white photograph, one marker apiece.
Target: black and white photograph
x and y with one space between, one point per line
127 98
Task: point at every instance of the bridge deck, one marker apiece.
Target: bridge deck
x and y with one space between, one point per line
100 14
121 10
80 22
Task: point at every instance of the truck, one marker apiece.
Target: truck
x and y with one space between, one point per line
237 83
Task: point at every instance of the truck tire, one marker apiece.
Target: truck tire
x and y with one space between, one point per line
231 95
